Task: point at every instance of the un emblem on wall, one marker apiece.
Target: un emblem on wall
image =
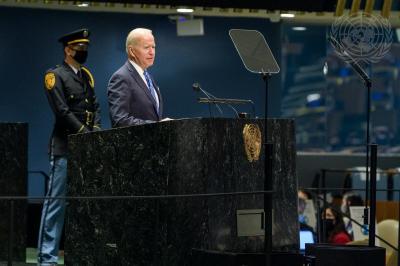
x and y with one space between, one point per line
365 37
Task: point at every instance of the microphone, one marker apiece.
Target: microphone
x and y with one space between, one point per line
212 99
196 87
342 50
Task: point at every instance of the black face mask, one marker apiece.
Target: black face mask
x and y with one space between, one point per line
80 56
329 225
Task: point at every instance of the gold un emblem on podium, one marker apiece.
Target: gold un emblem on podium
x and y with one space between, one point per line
252 141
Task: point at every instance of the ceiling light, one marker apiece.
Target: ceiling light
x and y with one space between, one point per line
184 10
83 4
287 15
299 28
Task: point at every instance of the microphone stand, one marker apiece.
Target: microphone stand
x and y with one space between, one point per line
196 87
241 39
368 219
268 175
228 102
265 77
210 97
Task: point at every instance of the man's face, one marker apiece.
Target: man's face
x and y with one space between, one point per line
144 51
77 52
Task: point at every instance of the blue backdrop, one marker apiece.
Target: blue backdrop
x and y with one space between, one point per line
29 47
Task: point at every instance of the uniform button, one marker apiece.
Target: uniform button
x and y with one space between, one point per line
86 100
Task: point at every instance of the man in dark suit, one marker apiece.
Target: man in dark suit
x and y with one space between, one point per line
133 96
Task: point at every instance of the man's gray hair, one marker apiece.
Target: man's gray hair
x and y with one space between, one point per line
134 36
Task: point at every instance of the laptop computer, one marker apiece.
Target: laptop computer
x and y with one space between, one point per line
306 237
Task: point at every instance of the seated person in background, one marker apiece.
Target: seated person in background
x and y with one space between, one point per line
350 199
306 210
305 195
334 226
303 220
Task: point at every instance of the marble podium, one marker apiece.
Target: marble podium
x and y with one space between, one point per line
179 157
13 182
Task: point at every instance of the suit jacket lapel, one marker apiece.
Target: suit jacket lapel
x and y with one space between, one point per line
141 83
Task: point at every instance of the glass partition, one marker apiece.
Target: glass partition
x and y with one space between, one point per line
328 99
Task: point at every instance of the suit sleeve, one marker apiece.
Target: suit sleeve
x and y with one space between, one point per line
56 98
119 101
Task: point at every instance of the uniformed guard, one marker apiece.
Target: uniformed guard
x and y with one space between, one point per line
70 91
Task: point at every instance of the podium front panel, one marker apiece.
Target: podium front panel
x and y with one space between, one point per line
180 157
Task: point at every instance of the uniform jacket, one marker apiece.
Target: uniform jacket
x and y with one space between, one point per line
129 99
74 104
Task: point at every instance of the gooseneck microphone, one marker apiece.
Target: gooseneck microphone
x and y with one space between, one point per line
229 102
196 87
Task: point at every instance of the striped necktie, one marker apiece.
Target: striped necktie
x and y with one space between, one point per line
151 88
